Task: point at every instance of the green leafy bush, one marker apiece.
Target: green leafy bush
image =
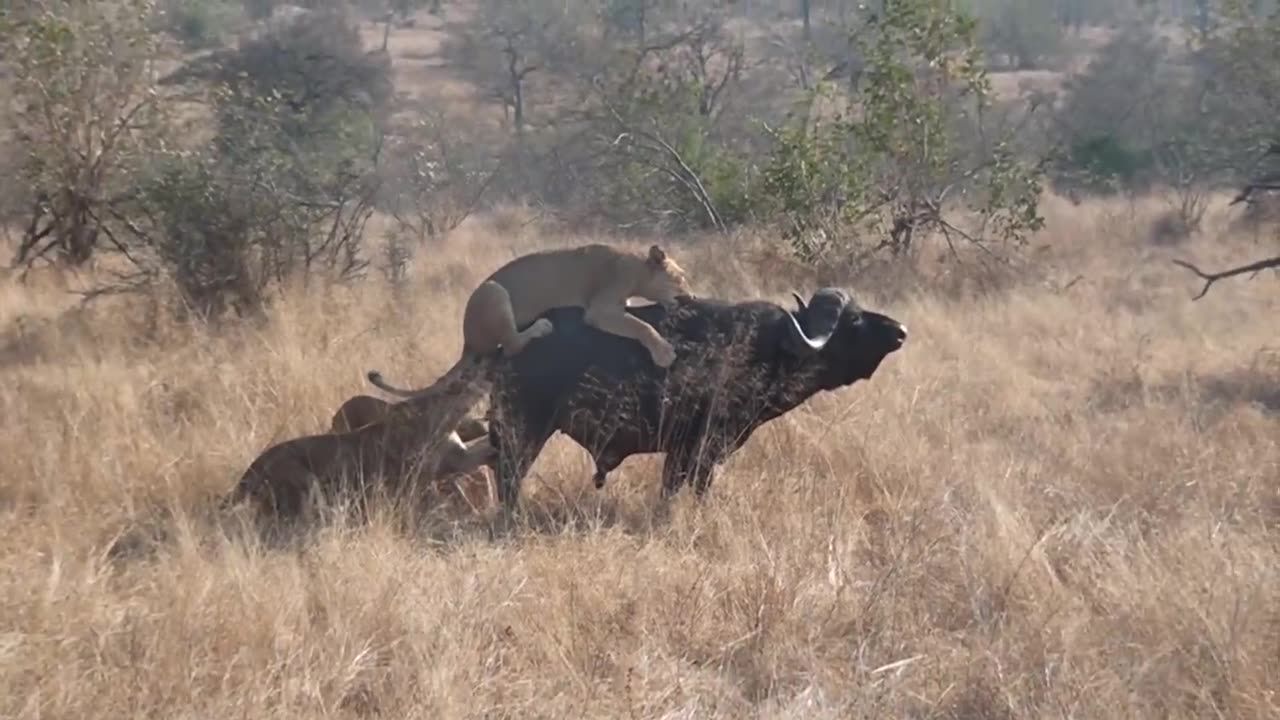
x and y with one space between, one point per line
890 168
200 23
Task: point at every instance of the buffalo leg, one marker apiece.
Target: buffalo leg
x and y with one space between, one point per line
517 448
512 467
605 464
678 467
702 478
693 465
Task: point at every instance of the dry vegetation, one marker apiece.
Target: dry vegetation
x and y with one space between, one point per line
1060 499
1055 502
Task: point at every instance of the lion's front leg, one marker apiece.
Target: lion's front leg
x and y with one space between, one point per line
611 317
471 455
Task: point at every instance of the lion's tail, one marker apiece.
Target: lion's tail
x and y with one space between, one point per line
375 378
455 377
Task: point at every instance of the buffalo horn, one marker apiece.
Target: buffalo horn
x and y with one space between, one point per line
799 300
800 344
824 310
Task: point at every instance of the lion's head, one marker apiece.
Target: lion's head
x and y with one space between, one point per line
666 280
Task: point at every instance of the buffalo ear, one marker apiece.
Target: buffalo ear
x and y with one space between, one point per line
656 255
799 301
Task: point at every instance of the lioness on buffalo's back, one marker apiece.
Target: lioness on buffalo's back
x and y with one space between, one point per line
596 277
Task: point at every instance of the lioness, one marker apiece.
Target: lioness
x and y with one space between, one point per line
474 486
407 444
596 277
361 410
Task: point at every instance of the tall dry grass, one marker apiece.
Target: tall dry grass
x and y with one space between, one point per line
1059 500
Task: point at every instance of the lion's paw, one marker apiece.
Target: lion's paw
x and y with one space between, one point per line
541 327
664 355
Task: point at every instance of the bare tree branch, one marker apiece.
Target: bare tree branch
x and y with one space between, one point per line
682 173
1267 183
1211 278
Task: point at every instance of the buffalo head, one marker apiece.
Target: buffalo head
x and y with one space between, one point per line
851 341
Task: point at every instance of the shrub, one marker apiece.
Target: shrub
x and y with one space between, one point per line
890 168
200 23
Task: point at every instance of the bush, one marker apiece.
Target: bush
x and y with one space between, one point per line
200 23
1104 163
1025 33
260 9
304 70
891 169
1133 106
660 158
84 113
288 183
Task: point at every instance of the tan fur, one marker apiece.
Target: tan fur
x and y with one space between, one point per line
356 412
473 485
599 278
361 410
408 445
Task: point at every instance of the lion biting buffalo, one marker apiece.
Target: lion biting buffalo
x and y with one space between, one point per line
550 338
361 410
407 445
417 439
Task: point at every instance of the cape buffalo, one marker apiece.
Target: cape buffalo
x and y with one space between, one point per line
739 365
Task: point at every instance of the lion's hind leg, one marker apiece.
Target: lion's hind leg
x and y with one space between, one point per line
489 321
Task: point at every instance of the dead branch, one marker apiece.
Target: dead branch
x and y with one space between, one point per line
679 171
1211 278
1272 183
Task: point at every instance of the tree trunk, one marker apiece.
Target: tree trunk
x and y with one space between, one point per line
640 18
517 102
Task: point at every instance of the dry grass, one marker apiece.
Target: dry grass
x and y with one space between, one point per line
1052 503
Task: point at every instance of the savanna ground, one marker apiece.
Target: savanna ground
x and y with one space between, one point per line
1060 499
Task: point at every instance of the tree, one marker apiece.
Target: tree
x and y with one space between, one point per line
1025 33
436 178
652 117
1211 277
289 180
1130 119
399 11
630 16
199 24
1271 182
87 112
511 41
1241 95
1243 105
891 166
